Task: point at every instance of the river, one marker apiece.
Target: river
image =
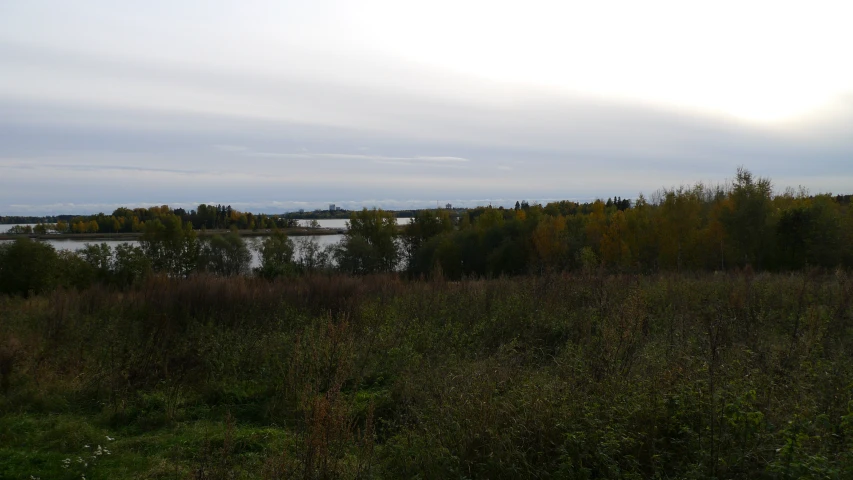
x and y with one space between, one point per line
323 240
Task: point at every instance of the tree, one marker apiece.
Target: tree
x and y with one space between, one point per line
747 218
100 257
130 264
809 233
491 217
640 234
679 225
614 249
225 255
355 255
549 242
369 245
276 252
27 267
310 256
72 271
596 226
423 226
173 247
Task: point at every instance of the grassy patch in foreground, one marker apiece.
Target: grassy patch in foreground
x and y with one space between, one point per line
580 377
68 446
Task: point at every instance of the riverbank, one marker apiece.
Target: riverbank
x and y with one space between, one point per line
292 232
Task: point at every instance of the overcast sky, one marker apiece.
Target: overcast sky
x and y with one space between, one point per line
275 105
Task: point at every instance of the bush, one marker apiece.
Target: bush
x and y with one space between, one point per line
27 267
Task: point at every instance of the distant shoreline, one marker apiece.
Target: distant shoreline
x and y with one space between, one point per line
294 232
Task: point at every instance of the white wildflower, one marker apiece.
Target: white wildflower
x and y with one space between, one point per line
110 438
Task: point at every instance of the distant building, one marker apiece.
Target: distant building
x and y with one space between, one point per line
339 208
301 210
448 206
331 207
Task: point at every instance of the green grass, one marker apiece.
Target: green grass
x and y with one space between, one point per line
581 377
37 445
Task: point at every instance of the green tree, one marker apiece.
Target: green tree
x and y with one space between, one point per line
130 265
747 220
27 266
225 255
354 254
370 243
73 271
172 246
491 217
810 233
549 243
423 226
310 256
679 225
276 252
100 257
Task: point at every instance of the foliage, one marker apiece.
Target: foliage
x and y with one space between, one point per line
311 257
225 255
327 376
27 267
130 265
369 244
740 224
423 226
276 253
172 246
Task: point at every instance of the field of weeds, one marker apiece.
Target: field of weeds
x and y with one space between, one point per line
566 376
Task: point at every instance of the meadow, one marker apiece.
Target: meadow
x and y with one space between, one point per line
575 375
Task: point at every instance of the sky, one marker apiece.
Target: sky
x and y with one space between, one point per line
272 106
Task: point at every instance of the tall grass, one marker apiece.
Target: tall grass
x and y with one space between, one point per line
563 376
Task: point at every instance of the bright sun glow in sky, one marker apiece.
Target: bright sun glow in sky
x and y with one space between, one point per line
756 60
360 103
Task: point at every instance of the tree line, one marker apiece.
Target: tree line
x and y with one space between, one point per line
126 220
699 228
690 228
13 219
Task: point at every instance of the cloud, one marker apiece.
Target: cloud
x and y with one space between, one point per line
304 155
81 129
573 150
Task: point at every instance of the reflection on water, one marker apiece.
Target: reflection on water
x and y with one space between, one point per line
342 222
74 245
323 240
